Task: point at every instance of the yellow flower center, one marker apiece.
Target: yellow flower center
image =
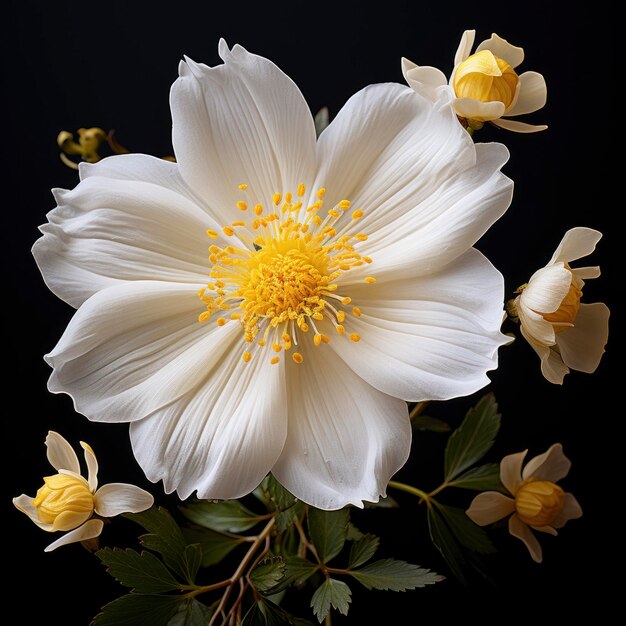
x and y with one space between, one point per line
538 502
64 501
487 78
283 280
564 317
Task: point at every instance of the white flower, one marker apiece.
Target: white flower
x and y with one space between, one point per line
563 332
537 502
322 404
67 501
485 84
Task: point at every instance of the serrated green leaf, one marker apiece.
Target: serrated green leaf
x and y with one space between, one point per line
214 546
193 558
225 516
465 531
138 610
473 438
284 519
432 424
280 498
482 478
321 120
192 613
266 613
268 573
354 534
328 531
383 503
166 538
444 541
297 571
333 593
144 572
393 575
363 550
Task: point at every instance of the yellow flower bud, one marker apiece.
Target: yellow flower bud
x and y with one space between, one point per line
487 78
568 309
538 502
64 501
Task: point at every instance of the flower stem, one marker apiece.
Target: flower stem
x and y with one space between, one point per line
422 495
418 409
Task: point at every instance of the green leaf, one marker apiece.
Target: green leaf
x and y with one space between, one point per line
383 503
286 518
143 572
138 610
279 497
214 546
166 538
466 532
225 516
266 613
192 613
482 478
333 593
473 438
268 573
321 120
444 541
297 571
328 531
354 534
433 424
392 575
363 550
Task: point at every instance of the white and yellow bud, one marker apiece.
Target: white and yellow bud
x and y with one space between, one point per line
69 502
539 502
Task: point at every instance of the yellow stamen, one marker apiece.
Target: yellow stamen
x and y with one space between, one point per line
243 186
358 214
212 233
301 190
344 205
242 206
221 321
356 311
370 279
355 337
320 192
247 356
228 231
340 329
297 357
204 316
276 198
274 360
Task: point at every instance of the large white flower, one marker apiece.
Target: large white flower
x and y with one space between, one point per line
341 282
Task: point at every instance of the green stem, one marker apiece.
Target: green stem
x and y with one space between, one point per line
441 487
410 489
418 409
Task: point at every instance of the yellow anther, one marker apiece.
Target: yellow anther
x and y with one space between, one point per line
204 316
297 357
242 206
341 316
344 205
370 279
301 190
247 356
221 321
334 212
237 223
355 337
325 339
340 329
358 214
261 342
320 192
361 237
276 347
274 360
228 231
243 186
276 198
367 259
356 311
346 300
286 338
317 339
288 197
212 233
317 219
258 209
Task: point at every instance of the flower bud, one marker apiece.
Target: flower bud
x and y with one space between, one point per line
64 501
538 502
487 78
568 309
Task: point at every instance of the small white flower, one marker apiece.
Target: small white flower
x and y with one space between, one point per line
537 502
486 85
67 501
339 281
564 332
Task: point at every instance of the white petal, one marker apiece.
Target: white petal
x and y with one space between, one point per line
571 510
240 122
546 289
511 471
552 366
477 110
427 337
489 507
60 453
92 466
24 504
520 530
134 348
503 49
535 329
223 436
106 231
576 243
586 272
582 346
345 439
552 465
465 46
89 530
518 127
425 80
115 498
532 95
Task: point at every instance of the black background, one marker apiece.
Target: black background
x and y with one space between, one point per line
111 64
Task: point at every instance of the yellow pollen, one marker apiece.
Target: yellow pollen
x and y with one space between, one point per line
274 360
341 316
317 339
276 347
346 300
301 190
356 311
340 329
344 205
361 237
297 357
242 206
276 198
358 214
243 186
258 209
325 339
247 356
320 192
204 316
228 231
355 337
333 212
370 279
237 223
288 196
212 233
221 321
